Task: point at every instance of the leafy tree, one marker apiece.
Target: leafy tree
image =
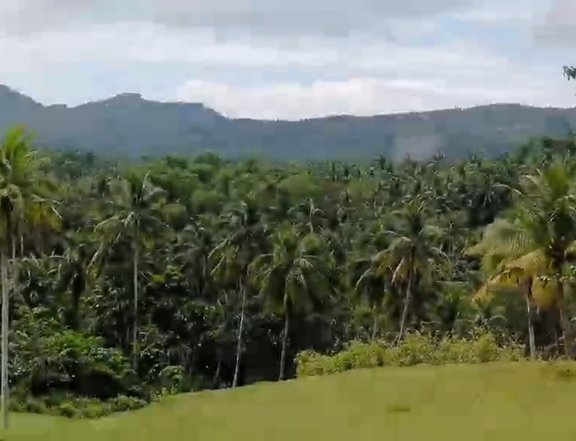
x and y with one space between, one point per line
75 276
293 276
541 232
412 252
22 204
232 257
135 204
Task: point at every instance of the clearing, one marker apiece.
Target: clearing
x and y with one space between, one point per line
521 401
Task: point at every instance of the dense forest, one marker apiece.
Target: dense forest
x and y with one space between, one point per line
183 274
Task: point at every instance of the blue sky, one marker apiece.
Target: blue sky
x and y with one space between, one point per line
292 59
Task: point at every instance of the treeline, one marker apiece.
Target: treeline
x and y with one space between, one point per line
184 274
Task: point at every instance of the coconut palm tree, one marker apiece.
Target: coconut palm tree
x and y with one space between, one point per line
75 276
231 258
540 235
293 276
518 273
371 278
22 206
135 206
412 253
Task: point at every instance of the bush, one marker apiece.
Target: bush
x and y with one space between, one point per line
29 405
51 359
68 410
124 403
76 407
310 364
172 379
415 349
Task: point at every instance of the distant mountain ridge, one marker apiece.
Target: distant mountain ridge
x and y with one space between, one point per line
128 125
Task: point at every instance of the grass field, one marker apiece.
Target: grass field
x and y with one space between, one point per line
482 402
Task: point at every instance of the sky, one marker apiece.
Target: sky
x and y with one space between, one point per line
294 59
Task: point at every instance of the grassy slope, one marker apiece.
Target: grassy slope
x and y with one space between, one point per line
491 402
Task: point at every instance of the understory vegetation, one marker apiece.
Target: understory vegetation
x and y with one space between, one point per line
128 282
415 349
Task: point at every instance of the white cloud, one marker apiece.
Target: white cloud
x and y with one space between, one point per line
558 23
142 43
272 59
361 96
523 12
293 17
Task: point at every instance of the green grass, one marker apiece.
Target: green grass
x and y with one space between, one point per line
492 402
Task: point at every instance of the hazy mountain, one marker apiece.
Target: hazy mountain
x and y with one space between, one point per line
129 125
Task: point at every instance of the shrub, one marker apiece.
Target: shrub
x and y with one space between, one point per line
124 403
51 359
29 405
172 379
310 363
453 350
68 410
485 348
415 349
95 409
61 404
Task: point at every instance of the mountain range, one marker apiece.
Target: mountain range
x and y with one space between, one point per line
130 126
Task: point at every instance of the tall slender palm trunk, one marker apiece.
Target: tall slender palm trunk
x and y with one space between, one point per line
565 323
407 301
216 379
5 317
285 335
135 310
374 323
529 312
240 336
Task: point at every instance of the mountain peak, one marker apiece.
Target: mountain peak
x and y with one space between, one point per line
124 98
129 125
15 98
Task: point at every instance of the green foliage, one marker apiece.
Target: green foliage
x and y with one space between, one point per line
184 274
54 359
172 379
415 349
71 406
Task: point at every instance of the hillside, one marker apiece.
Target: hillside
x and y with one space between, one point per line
128 125
505 402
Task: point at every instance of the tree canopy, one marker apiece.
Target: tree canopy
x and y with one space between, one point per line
192 273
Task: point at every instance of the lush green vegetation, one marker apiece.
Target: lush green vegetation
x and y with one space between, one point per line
415 349
448 403
176 275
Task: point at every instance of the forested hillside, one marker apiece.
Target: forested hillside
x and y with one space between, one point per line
182 274
131 127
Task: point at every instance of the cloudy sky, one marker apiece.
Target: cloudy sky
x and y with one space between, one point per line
292 58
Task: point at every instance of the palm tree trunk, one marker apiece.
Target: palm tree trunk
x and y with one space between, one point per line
216 379
135 306
374 323
240 335
75 315
531 339
5 330
565 323
13 265
284 345
407 301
